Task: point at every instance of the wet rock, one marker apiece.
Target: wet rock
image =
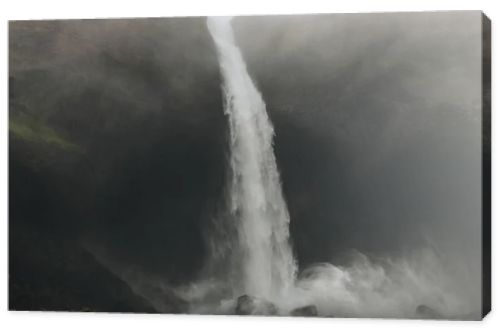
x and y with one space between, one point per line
245 305
426 312
305 311
249 305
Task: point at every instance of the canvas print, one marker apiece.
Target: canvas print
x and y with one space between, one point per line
333 165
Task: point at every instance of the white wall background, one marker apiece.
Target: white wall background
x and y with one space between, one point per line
51 322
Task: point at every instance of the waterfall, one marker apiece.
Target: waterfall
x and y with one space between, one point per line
262 254
250 251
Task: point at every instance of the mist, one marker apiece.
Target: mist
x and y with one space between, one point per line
377 141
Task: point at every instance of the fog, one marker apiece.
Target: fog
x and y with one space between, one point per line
393 102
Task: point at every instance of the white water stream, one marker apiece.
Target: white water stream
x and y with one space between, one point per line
256 200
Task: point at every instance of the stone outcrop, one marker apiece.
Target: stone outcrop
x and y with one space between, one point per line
305 311
249 305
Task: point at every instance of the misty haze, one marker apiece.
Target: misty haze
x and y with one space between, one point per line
308 165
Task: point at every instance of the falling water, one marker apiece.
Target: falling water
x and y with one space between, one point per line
256 203
250 244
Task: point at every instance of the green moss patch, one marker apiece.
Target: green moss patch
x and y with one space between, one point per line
29 129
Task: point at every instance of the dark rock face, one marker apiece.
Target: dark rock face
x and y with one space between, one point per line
151 93
426 312
249 305
305 311
46 273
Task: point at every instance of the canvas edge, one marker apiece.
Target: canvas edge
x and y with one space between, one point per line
486 163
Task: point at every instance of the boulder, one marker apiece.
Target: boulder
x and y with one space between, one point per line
245 305
426 312
305 311
249 305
